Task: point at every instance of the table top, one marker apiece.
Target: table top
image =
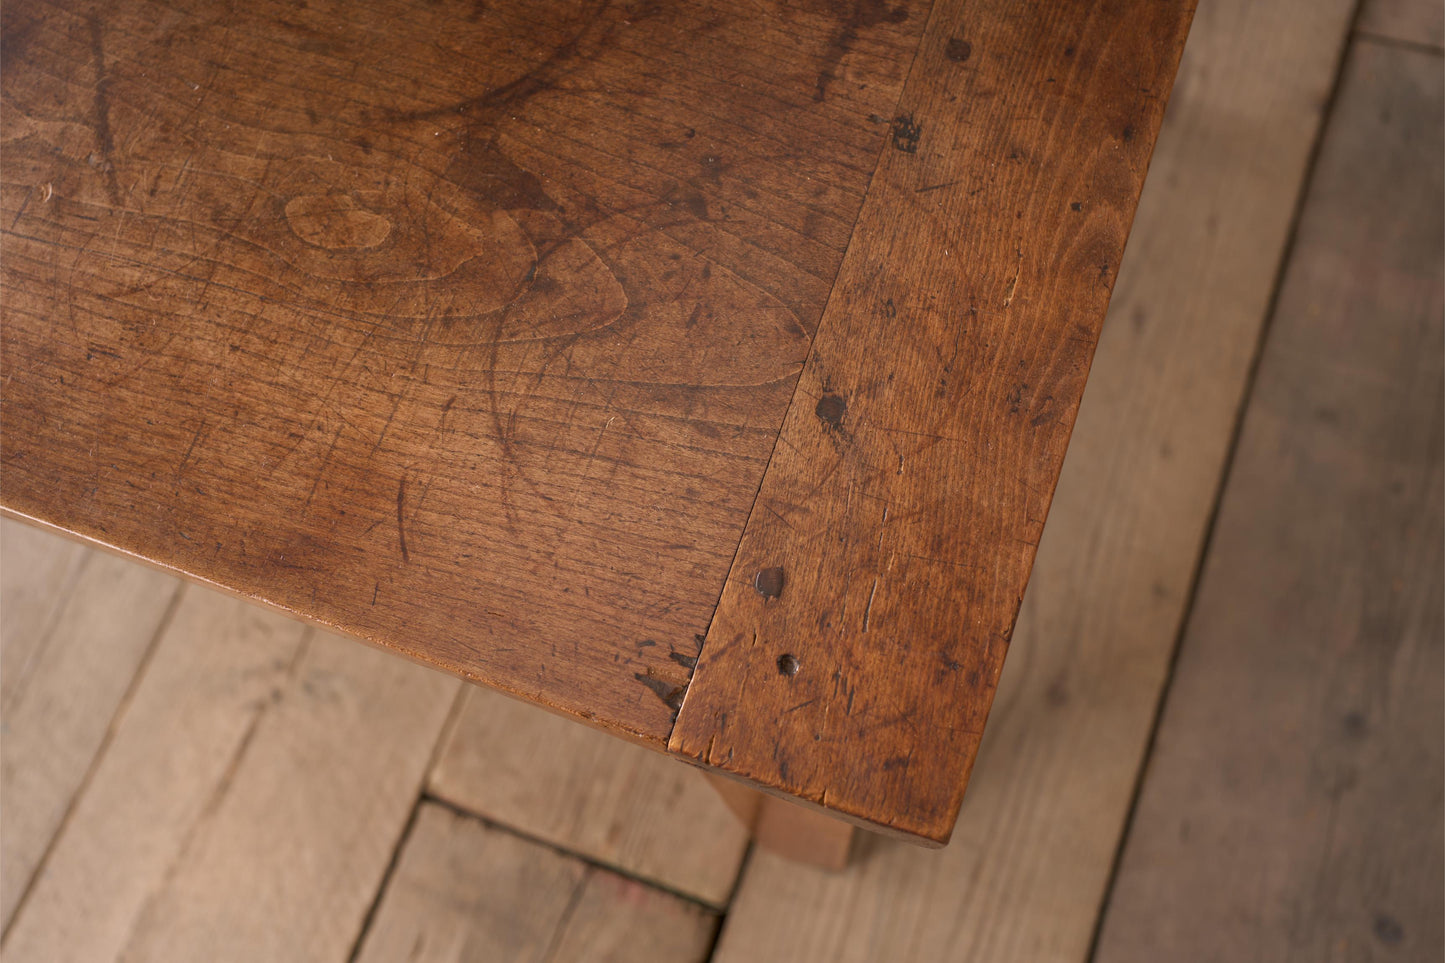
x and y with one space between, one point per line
701 371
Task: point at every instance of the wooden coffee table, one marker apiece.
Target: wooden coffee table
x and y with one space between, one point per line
700 371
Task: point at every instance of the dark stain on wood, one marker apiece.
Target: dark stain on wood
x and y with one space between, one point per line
831 409
861 15
671 695
906 133
769 582
104 157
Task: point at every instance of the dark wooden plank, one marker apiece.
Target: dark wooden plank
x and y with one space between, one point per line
854 653
464 328
1293 806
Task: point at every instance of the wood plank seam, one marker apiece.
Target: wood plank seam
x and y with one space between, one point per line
458 700
95 761
847 390
883 148
452 807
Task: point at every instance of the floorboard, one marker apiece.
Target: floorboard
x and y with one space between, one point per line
463 890
248 801
81 627
1292 809
590 793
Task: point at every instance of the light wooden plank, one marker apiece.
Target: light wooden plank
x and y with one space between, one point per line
855 650
584 791
620 920
36 569
1026 870
77 667
220 663
1293 807
1413 21
465 891
290 854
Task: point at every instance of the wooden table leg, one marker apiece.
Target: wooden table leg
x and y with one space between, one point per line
786 828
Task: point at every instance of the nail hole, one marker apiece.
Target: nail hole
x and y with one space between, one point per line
788 664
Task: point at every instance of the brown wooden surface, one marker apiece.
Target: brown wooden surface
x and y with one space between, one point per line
1293 809
908 490
464 328
1029 865
469 330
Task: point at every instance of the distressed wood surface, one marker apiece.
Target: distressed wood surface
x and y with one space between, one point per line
474 330
855 650
1029 864
462 890
247 803
61 701
464 328
585 792
1293 808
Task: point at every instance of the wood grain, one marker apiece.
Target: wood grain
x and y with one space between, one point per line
218 665
1293 808
464 328
294 846
1026 872
63 698
464 891
249 800
855 650
588 793
36 572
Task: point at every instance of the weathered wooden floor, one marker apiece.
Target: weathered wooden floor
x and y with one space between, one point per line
1219 734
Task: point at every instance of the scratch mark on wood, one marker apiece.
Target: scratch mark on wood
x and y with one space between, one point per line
104 138
1013 282
401 519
